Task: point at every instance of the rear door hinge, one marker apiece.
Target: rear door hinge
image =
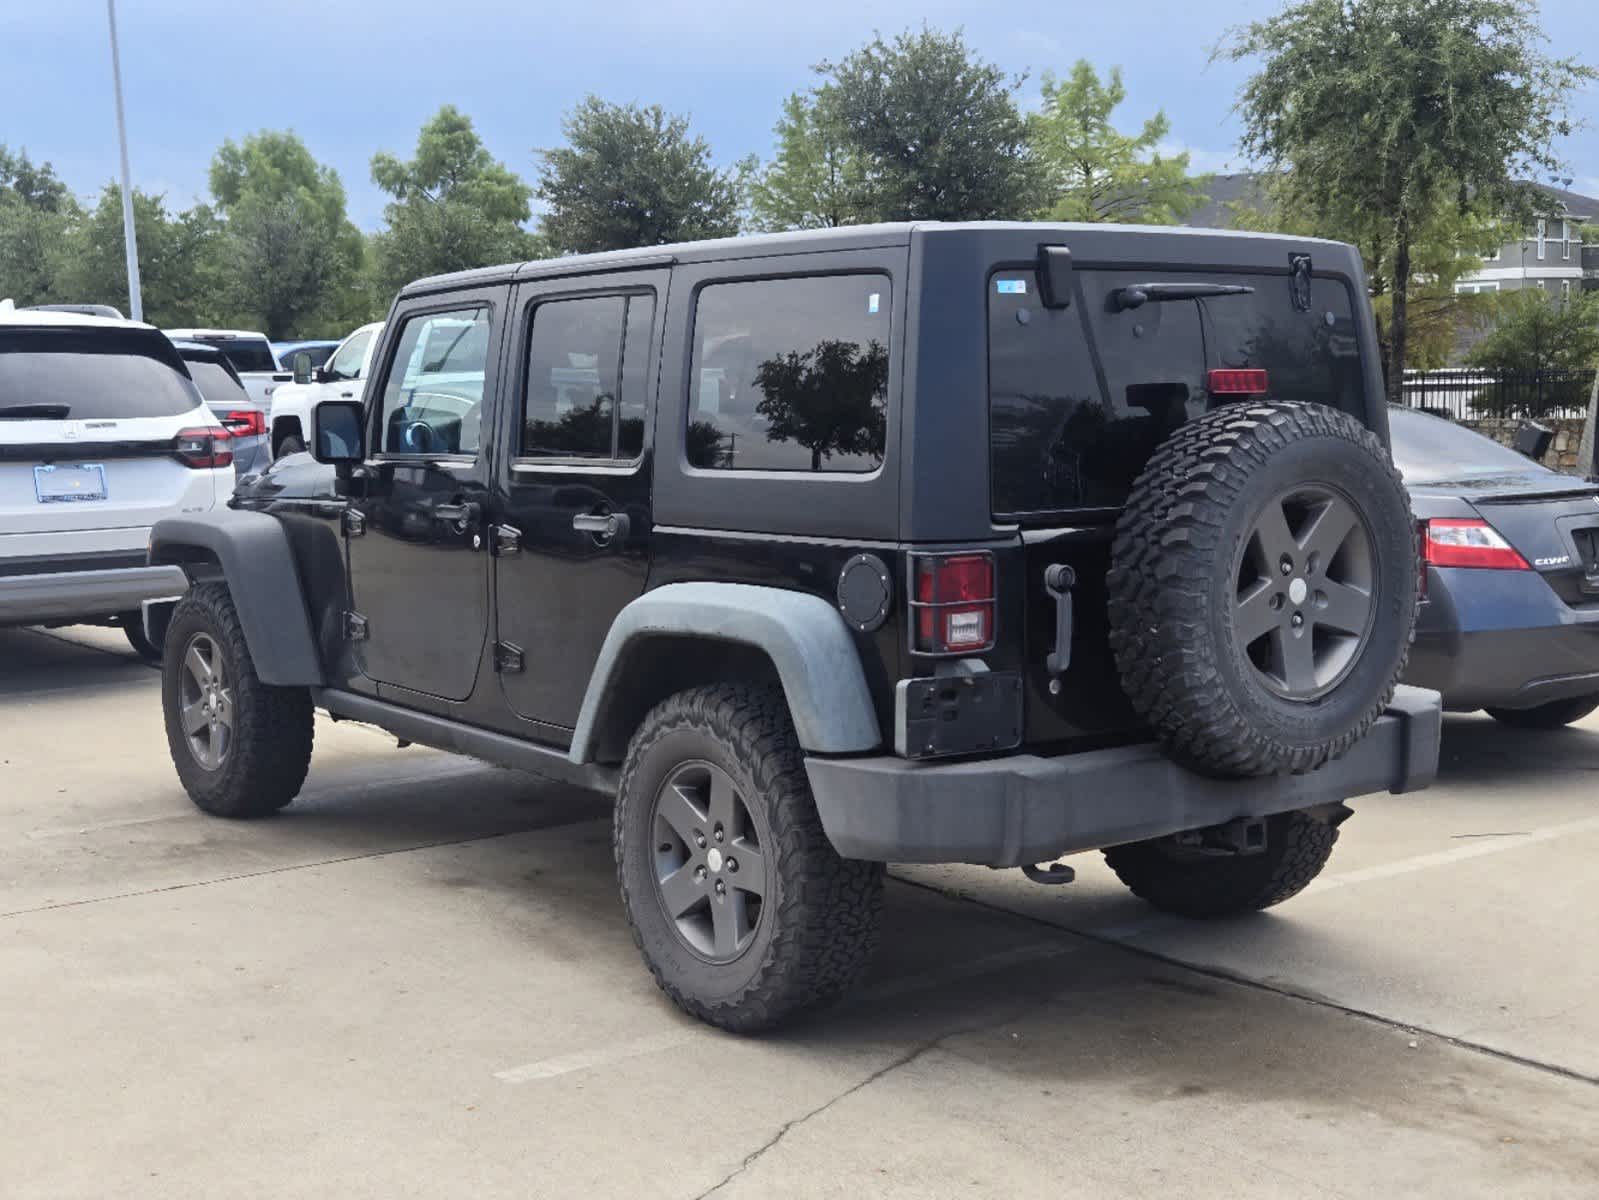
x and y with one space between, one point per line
507 658
354 522
355 627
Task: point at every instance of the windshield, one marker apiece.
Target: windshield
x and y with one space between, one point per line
86 375
246 354
1429 449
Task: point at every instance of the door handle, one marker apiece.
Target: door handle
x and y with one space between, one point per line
605 526
461 515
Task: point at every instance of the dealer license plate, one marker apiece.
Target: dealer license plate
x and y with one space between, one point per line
58 483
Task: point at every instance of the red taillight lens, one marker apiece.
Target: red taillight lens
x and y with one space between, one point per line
1466 542
245 422
202 448
1227 381
954 603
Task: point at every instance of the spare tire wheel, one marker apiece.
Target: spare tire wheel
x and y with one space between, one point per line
1263 587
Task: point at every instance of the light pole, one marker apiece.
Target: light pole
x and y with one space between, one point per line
130 240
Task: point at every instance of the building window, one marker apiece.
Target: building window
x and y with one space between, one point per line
1565 239
1543 236
1565 289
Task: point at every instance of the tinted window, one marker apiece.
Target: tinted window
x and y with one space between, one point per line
1429 449
83 375
246 354
1313 356
587 372
346 363
1054 441
433 400
218 387
790 374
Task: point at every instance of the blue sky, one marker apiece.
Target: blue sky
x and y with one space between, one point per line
352 78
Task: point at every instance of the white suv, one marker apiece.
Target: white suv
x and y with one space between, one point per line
341 378
102 433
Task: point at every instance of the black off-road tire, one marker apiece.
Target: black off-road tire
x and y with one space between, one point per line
270 751
1179 881
1190 517
818 923
1554 715
132 623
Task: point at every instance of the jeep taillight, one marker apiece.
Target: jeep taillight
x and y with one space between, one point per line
952 602
202 448
1238 381
1468 542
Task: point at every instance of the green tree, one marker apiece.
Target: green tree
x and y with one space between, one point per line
936 129
1379 111
174 258
632 176
1527 330
288 248
454 206
1092 171
37 214
817 179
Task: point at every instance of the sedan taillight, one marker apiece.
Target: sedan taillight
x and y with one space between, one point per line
202 448
1468 542
952 603
245 422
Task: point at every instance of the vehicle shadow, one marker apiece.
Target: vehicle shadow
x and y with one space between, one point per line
36 661
1478 751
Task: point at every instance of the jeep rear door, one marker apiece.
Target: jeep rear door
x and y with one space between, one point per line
571 526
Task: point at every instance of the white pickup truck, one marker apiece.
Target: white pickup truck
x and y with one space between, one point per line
251 355
341 378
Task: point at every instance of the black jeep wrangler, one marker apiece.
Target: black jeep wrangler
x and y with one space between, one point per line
924 543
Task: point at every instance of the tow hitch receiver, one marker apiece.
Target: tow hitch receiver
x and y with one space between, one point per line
1246 835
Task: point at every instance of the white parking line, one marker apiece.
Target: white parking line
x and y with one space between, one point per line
585 1060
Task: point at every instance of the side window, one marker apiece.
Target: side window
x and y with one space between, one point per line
790 374
587 378
346 362
433 400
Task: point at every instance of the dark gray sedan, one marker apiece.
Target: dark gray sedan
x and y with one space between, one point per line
1510 619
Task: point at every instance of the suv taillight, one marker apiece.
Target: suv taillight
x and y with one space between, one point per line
245 422
1467 542
202 448
952 603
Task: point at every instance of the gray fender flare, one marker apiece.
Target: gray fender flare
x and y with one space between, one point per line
253 551
804 636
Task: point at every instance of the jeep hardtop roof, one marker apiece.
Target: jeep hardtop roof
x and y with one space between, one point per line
1151 246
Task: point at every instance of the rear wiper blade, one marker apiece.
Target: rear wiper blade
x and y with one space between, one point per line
38 412
1136 295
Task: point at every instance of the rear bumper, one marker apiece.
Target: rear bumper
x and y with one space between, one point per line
1026 809
78 595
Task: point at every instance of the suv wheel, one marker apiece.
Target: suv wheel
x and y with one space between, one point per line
1264 587
240 746
1196 883
1554 715
743 911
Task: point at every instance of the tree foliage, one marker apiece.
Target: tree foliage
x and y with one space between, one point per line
454 206
1528 330
632 176
287 247
817 179
1091 171
936 130
1381 111
175 278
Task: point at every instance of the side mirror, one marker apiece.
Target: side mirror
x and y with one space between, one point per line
336 436
300 364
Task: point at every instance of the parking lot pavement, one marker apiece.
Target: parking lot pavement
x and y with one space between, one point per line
417 981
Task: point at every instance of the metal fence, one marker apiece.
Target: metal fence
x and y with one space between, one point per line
1466 394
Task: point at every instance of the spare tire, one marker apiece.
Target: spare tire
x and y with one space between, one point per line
1263 587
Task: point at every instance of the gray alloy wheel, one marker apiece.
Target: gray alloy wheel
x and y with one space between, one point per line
710 868
1303 609
206 699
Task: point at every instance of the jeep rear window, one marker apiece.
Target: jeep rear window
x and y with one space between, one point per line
91 375
1311 355
790 374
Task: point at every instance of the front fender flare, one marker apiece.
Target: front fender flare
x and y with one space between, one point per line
806 639
252 548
